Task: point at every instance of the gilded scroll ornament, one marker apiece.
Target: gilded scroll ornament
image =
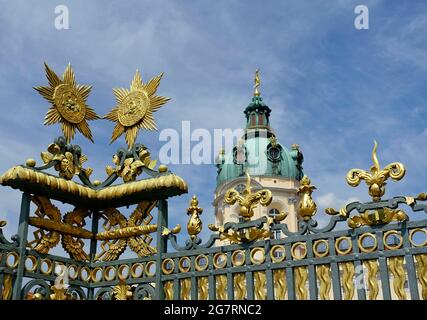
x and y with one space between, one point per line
248 200
111 249
376 181
122 291
68 100
60 293
375 217
247 235
370 217
74 246
306 205
194 225
135 108
119 233
70 229
34 296
376 178
47 212
175 230
140 219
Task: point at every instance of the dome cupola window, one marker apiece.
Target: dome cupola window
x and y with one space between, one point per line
239 154
253 119
274 150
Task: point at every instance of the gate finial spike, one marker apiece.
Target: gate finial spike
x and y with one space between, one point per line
376 166
248 188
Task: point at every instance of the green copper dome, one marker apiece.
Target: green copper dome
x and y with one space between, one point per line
258 152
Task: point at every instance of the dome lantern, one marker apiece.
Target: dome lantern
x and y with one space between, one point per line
257 112
259 151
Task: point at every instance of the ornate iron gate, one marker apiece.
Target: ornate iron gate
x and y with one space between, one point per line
379 255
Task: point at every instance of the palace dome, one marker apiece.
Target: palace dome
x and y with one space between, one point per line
259 152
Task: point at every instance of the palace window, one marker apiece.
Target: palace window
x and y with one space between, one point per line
273 212
276 234
253 119
261 119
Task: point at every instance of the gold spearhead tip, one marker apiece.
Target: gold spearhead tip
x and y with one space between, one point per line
194 201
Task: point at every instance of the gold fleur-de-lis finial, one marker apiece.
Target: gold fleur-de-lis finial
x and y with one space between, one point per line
257 83
194 226
248 200
376 178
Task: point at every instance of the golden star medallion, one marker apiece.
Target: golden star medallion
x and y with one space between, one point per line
68 101
135 107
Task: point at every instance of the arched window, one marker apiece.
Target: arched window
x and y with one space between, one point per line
253 119
273 212
239 155
276 234
261 119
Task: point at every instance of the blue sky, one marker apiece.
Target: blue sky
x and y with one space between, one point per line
332 89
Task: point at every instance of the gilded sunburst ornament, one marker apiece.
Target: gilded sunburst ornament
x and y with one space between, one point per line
68 101
135 107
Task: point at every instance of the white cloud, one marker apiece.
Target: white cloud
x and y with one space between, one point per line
330 199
